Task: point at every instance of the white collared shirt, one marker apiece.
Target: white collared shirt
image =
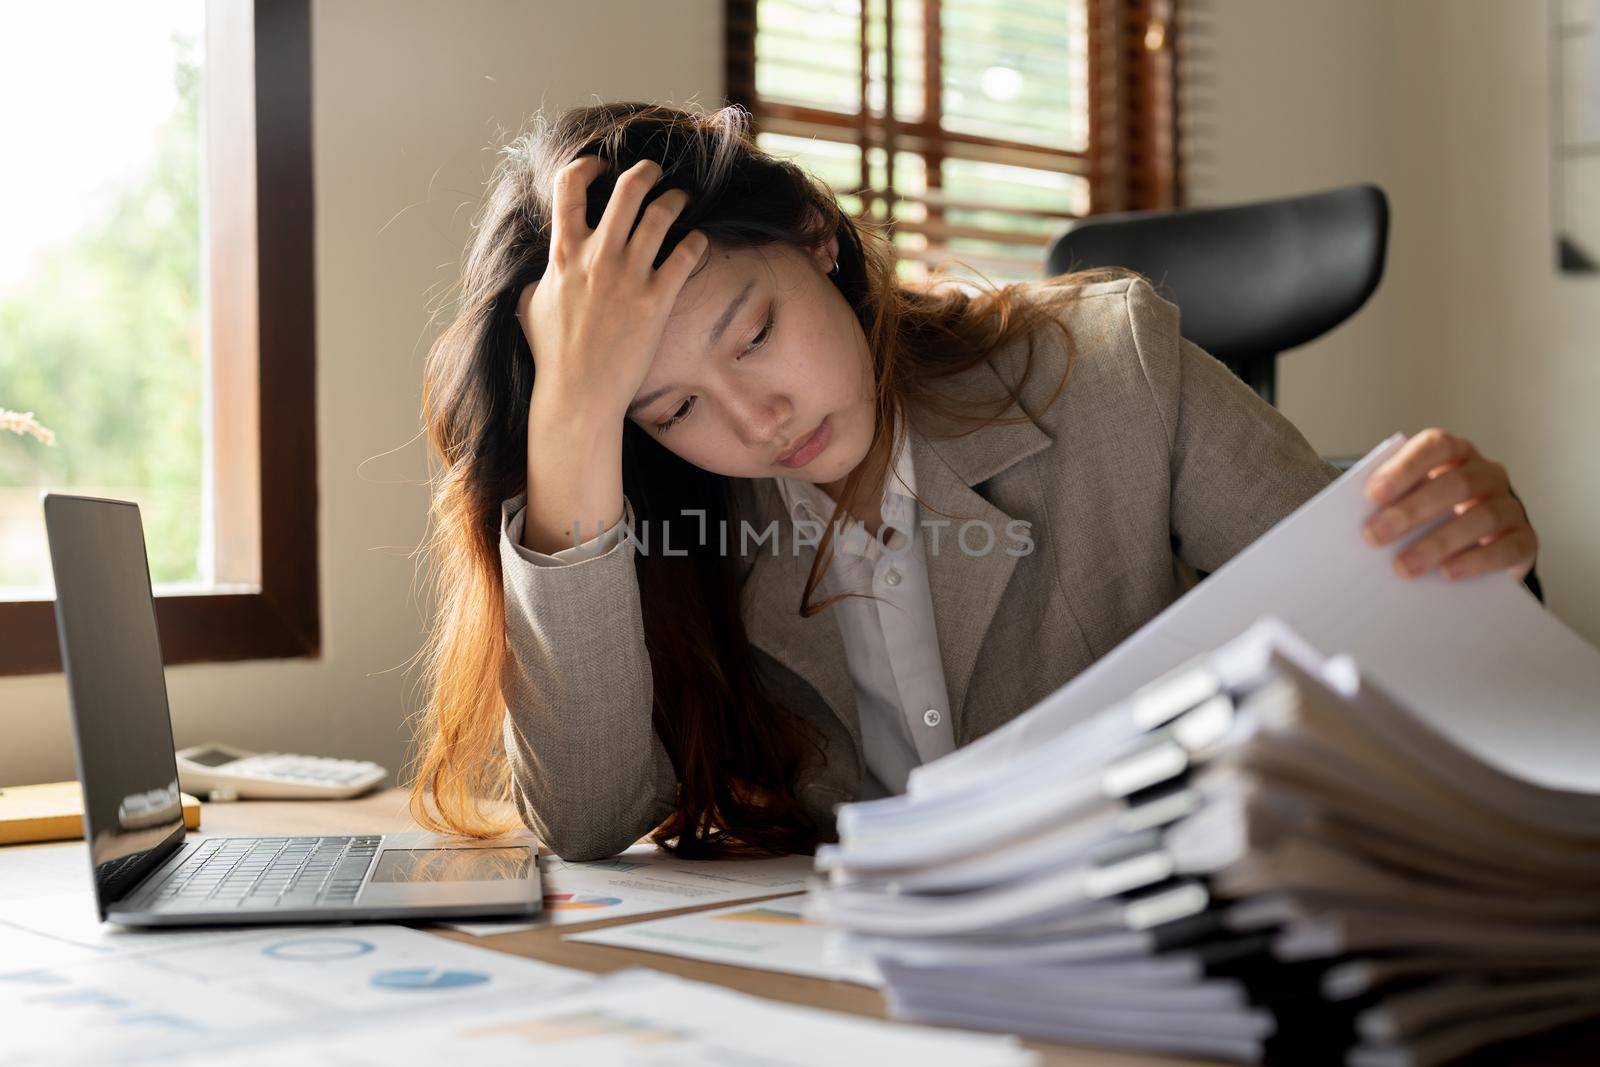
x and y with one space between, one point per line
890 643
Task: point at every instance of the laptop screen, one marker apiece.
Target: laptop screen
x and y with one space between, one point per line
105 619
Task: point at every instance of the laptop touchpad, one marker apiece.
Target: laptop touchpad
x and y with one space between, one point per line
453 864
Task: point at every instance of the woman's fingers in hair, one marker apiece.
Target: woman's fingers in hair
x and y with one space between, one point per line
674 271
623 208
652 229
569 224
611 240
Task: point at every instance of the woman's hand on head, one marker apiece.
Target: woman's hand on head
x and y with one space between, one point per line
595 319
1438 473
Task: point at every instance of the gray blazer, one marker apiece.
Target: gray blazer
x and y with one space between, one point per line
1155 459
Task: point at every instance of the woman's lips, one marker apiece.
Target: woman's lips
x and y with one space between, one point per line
808 448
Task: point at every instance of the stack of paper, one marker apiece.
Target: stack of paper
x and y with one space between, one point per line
1218 841
1260 854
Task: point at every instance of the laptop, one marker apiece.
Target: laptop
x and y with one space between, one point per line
147 870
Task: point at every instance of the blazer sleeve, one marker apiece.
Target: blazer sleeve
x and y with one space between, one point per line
595 546
589 774
1238 466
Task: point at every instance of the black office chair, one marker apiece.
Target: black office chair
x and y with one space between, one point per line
1251 280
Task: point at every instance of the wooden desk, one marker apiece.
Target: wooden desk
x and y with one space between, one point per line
386 811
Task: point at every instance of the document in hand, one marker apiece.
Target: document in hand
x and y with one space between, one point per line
1264 853
1479 658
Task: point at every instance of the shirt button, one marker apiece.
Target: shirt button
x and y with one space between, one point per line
932 716
893 578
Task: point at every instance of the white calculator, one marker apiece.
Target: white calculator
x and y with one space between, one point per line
223 772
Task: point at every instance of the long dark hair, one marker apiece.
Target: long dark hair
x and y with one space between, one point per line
735 749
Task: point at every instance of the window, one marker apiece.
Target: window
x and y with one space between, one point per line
156 312
984 129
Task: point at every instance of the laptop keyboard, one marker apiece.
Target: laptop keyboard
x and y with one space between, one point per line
269 872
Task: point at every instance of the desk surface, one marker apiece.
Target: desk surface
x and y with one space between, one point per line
386 812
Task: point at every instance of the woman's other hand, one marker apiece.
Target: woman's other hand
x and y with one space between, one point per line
1435 473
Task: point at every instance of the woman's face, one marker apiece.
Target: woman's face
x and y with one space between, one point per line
734 395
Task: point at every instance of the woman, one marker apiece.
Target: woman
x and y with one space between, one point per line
664 431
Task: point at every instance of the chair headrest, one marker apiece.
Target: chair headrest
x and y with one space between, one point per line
1250 279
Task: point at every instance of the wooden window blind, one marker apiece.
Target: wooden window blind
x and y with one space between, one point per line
983 130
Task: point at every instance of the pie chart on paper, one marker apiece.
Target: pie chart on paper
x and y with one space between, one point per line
318 949
428 978
578 901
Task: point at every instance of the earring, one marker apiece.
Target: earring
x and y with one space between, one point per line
835 269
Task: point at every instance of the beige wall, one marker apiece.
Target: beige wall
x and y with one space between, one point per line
409 99
1303 101
1443 102
1514 347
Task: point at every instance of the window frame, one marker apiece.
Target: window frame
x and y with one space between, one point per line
262 307
1131 160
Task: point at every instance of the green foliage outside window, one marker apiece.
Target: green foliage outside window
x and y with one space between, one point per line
103 343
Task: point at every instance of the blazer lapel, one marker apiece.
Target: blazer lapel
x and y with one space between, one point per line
812 648
967 586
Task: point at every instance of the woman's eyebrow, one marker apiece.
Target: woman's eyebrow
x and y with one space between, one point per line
717 330
721 325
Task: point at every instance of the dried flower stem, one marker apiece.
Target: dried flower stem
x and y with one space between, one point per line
23 422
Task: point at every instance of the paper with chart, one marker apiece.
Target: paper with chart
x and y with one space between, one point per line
644 879
48 914
217 989
65 928
371 993
769 935
1479 659
642 1018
